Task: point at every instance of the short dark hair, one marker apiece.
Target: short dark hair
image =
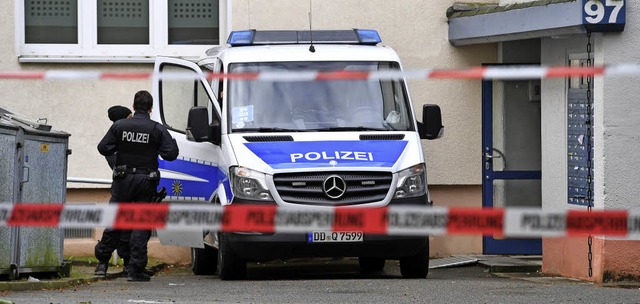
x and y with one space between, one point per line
142 101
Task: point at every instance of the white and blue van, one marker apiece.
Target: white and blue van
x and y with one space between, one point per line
291 141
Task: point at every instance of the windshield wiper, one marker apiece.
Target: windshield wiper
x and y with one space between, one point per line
360 128
263 129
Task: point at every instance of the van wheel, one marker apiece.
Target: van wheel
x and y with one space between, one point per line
230 266
204 261
416 266
371 264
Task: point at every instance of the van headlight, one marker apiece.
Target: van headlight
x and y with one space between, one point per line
412 182
249 184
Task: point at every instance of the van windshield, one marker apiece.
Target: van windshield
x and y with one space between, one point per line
327 105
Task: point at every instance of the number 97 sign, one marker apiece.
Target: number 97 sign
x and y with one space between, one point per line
604 15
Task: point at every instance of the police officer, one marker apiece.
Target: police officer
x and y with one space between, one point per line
108 244
138 141
116 113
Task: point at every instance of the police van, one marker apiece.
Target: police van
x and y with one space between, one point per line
270 133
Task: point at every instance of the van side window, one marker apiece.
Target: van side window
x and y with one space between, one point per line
178 96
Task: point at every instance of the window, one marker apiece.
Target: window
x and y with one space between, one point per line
317 105
51 23
178 96
118 30
123 22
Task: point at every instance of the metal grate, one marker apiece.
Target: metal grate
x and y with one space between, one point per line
268 138
78 233
87 233
381 136
306 188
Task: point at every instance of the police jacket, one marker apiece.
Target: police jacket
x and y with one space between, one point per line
138 141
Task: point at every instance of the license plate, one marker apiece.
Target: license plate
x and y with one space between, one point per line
340 236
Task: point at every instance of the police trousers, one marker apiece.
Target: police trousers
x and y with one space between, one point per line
126 189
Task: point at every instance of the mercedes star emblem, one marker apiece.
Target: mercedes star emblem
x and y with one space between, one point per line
334 186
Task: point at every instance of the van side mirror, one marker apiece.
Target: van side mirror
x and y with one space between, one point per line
199 129
431 126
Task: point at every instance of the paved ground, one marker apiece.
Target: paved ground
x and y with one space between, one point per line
515 267
336 281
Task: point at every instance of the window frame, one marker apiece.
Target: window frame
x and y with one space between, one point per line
87 50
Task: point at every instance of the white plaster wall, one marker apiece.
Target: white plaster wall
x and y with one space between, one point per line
620 121
616 122
75 107
416 29
554 127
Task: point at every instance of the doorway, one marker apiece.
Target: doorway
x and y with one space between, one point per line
511 155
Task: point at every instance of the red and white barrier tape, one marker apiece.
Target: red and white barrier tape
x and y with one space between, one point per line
489 72
395 220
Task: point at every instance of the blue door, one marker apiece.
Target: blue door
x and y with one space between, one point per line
511 156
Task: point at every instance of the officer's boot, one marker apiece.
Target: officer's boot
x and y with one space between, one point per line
136 275
125 268
101 269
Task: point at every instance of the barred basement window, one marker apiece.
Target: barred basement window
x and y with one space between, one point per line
78 233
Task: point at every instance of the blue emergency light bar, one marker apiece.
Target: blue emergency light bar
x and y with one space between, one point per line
253 37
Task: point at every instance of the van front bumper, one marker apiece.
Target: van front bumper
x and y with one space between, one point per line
273 246
265 247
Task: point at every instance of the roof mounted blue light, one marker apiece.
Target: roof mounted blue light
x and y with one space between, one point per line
237 38
275 37
368 36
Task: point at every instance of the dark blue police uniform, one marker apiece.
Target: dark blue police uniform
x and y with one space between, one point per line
137 142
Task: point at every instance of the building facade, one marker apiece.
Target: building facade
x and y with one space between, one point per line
117 36
534 125
586 125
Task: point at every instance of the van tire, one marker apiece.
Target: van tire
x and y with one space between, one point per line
230 266
368 265
416 266
204 261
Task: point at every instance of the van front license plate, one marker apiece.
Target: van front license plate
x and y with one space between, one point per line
340 236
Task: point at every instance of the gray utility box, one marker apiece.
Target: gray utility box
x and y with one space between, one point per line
33 162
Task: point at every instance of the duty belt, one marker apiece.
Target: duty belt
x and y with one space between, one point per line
121 171
133 170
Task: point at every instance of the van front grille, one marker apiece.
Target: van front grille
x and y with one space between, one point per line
307 188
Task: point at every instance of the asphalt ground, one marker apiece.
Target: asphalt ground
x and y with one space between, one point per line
82 272
325 281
